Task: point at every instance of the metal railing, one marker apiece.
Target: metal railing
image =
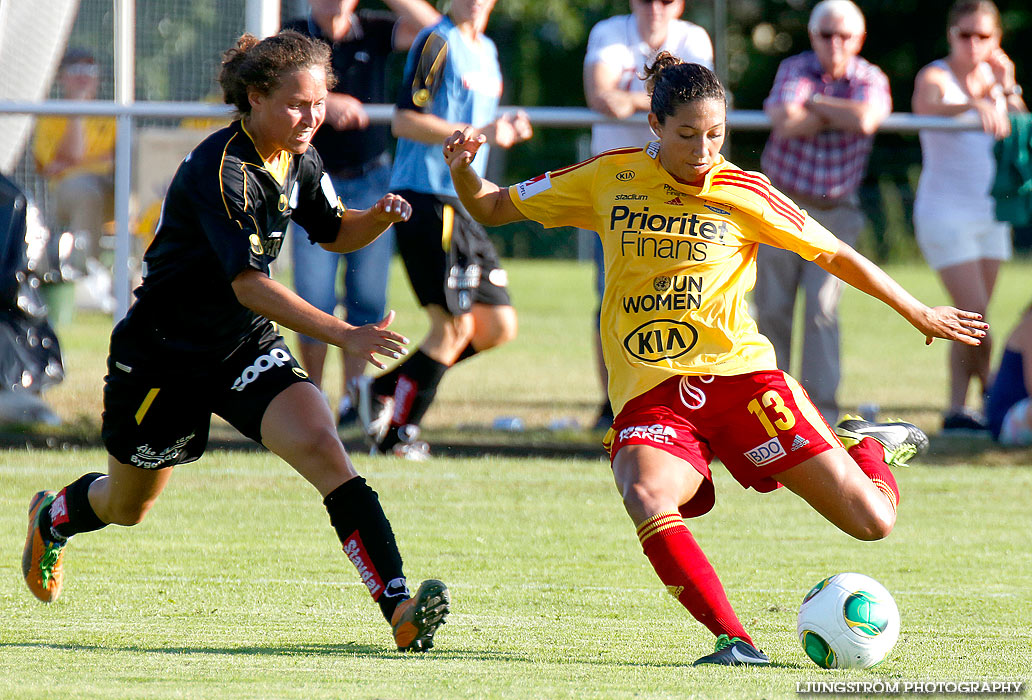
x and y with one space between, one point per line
127 111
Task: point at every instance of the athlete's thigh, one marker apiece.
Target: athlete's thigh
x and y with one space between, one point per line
654 448
251 378
834 485
652 480
759 424
298 427
493 325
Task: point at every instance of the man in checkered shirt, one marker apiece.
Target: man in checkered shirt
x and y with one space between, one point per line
824 108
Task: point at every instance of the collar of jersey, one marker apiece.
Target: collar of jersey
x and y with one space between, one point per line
270 166
694 190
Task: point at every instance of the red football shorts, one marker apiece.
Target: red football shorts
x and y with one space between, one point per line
756 424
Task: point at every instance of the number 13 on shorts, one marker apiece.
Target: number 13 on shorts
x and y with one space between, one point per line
768 405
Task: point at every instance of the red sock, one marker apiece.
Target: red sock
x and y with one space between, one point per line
687 574
870 455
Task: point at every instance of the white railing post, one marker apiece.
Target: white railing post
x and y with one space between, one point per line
262 17
125 59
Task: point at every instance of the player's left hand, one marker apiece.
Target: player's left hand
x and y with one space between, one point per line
392 208
374 339
952 324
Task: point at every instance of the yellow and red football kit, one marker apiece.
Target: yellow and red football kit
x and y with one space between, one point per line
679 260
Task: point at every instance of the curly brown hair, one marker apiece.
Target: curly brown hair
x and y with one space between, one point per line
261 64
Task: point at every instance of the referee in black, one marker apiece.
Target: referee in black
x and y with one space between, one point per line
200 338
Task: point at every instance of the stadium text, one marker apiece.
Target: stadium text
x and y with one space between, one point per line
879 687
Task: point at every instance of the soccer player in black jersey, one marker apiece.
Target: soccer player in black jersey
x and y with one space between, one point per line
201 339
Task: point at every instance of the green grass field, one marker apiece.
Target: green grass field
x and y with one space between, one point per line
235 586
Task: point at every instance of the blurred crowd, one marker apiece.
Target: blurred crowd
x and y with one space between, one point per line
825 106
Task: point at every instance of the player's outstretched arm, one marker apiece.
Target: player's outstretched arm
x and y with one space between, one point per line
939 322
359 227
484 200
265 296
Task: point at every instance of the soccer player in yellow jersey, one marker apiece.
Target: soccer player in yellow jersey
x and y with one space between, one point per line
690 377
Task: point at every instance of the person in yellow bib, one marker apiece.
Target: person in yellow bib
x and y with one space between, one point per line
76 155
690 377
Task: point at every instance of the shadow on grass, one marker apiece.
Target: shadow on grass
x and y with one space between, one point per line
302 649
369 651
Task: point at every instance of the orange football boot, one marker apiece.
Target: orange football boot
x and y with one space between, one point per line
415 620
41 559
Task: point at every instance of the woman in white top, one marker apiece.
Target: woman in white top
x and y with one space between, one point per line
954 214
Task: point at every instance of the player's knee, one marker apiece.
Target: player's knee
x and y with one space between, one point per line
320 444
496 329
876 525
641 497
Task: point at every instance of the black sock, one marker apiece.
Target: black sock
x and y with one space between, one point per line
368 540
416 388
467 352
71 513
385 383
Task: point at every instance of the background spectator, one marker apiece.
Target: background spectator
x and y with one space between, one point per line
452 80
954 214
824 107
356 156
619 48
76 157
1008 408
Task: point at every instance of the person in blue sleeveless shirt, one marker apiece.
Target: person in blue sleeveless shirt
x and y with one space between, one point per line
356 154
1008 407
452 81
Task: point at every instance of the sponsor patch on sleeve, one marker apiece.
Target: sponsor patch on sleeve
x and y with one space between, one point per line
328 191
533 186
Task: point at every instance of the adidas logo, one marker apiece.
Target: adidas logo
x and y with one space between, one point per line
799 441
676 201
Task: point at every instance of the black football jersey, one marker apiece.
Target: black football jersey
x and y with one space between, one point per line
223 213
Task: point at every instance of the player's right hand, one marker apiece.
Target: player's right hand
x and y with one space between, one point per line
374 339
461 147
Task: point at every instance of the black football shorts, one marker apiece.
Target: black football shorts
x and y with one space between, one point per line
449 258
155 421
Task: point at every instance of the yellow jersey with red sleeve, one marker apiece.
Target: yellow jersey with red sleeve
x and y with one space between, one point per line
679 260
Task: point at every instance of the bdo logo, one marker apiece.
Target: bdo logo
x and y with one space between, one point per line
766 453
661 339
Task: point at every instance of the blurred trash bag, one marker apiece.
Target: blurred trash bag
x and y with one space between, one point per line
30 355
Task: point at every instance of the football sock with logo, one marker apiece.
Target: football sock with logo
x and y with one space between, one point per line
415 391
368 541
687 574
870 456
71 513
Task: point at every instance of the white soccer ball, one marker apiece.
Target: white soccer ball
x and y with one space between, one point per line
848 621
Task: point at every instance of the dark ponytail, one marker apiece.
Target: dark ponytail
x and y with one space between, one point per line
671 83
